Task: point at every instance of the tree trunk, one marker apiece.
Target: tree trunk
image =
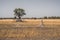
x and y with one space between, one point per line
20 19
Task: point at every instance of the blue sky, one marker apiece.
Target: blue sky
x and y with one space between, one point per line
33 8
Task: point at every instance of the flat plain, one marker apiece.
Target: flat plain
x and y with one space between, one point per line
30 29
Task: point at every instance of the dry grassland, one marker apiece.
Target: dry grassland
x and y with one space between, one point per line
32 22
30 29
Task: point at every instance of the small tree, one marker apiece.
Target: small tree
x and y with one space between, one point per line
18 12
45 17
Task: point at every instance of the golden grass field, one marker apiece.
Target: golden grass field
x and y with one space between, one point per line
30 29
32 22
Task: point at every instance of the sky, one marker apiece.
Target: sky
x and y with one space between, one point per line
33 8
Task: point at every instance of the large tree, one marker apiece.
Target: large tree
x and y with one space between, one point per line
18 12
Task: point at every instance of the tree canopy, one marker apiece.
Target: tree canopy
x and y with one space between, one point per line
18 12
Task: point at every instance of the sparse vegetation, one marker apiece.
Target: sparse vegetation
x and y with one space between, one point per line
30 29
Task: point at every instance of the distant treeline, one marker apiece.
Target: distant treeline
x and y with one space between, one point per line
45 17
52 17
